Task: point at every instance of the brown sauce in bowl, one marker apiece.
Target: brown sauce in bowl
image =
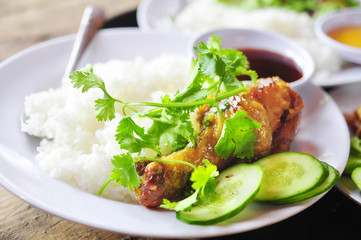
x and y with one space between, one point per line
270 64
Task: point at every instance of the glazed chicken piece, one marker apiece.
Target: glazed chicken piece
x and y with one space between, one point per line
271 102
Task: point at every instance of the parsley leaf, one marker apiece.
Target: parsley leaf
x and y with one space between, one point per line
183 205
237 137
203 178
131 137
194 90
104 108
223 64
86 79
204 184
170 127
172 134
124 172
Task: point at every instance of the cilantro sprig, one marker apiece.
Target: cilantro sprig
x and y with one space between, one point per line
204 186
238 137
213 73
213 77
125 174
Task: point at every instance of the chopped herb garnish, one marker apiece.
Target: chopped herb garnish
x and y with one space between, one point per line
204 185
207 123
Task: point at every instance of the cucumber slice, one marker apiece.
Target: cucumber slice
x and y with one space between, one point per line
289 174
236 188
331 179
356 177
352 163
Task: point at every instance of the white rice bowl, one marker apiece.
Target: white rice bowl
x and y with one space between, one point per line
77 148
202 15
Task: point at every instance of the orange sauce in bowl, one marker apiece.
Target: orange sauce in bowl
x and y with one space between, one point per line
350 35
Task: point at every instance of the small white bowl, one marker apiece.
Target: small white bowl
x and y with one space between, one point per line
254 39
336 19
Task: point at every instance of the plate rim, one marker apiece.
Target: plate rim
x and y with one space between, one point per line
352 193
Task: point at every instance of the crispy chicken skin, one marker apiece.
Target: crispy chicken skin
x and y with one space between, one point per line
271 102
283 107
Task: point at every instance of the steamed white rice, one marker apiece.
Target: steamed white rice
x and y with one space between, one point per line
202 15
76 147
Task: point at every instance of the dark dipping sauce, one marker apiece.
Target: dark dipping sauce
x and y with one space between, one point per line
270 64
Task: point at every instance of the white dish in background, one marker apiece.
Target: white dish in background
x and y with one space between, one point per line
334 20
349 74
348 98
159 14
40 67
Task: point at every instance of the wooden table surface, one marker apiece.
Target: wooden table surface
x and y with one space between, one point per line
24 23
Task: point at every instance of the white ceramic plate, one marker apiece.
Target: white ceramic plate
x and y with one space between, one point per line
157 14
348 98
348 74
40 67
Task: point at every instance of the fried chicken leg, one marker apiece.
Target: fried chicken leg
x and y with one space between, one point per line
271 102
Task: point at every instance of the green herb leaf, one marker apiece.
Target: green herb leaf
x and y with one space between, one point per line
86 79
203 178
204 184
214 42
183 205
124 172
131 137
238 137
104 108
194 90
223 64
173 128
212 65
168 134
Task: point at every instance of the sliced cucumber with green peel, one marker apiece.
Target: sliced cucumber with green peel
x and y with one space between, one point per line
333 176
236 187
289 174
356 177
352 163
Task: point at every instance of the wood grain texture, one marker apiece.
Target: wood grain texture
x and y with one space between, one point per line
24 23
21 221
